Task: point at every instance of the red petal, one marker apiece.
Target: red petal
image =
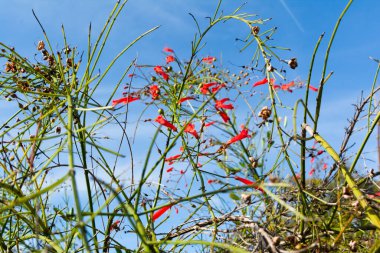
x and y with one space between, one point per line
248 182
125 100
261 82
171 158
209 59
160 212
184 99
210 123
169 58
313 88
168 50
243 134
161 120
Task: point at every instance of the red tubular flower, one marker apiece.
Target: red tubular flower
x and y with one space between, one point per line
191 130
125 100
286 87
261 82
184 99
311 171
161 72
115 225
224 116
324 166
160 212
161 120
169 59
168 50
264 81
249 182
243 134
206 86
221 104
210 181
172 158
218 87
210 123
209 59
320 152
313 88
170 169
154 91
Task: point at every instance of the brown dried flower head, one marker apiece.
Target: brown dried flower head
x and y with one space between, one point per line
255 30
293 63
41 45
265 113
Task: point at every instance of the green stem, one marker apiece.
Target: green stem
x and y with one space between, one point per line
320 91
370 212
70 137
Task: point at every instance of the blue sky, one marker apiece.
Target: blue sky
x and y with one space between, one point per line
299 22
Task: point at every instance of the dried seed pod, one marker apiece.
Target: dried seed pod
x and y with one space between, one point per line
255 30
293 63
246 198
69 62
265 113
270 68
41 45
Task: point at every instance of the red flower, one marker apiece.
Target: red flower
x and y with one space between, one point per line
184 99
248 182
209 59
170 169
221 104
125 100
320 152
263 81
210 123
210 181
131 75
313 88
172 158
224 116
168 50
115 225
160 212
182 172
218 87
154 91
191 130
169 59
286 87
324 166
311 171
161 120
161 72
243 134
206 86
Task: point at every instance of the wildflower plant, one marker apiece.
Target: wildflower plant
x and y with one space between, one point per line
222 172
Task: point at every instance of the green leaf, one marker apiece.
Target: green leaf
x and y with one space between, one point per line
234 196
